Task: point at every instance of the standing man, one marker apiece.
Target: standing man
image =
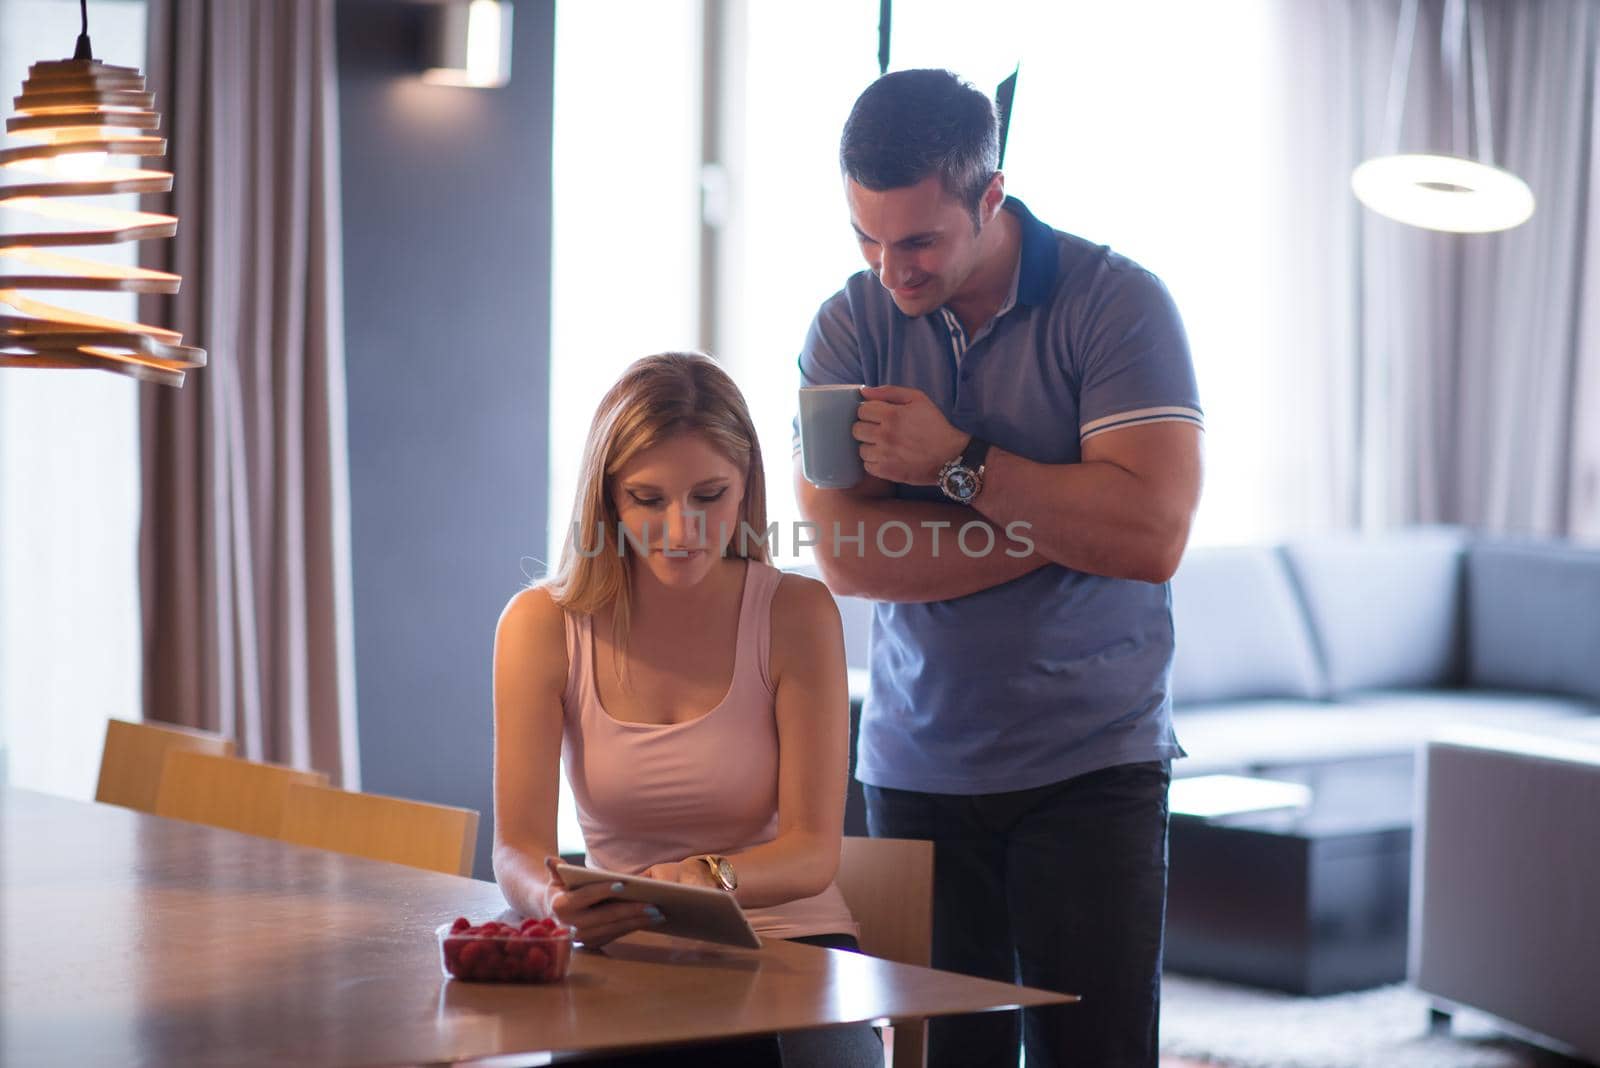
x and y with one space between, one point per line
1036 390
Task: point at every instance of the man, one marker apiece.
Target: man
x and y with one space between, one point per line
1031 415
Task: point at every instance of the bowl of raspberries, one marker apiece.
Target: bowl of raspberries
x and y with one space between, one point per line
535 951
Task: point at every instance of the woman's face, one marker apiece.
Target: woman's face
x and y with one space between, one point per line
680 503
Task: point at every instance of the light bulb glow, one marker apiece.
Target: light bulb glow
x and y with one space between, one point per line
72 147
483 43
1446 193
474 45
74 166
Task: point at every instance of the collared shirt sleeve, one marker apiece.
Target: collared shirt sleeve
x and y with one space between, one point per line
832 352
1133 356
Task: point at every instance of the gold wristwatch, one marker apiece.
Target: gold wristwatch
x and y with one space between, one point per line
722 872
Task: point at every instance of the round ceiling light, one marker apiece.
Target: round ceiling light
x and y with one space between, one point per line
1443 193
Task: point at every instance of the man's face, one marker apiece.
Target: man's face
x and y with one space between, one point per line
918 239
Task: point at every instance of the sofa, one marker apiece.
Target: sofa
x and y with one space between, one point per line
1478 655
1344 646
1338 647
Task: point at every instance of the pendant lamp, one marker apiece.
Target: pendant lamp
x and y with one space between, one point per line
1455 193
72 117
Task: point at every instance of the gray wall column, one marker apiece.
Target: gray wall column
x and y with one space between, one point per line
447 309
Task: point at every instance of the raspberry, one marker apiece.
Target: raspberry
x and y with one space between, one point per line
560 954
534 949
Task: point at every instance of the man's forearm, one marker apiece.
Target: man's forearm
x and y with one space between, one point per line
1098 518
913 551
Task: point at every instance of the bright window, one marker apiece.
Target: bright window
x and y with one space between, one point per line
1140 125
626 188
69 489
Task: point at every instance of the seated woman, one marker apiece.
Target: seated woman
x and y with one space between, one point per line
696 693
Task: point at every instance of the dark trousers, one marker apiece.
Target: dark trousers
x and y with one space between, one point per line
1062 887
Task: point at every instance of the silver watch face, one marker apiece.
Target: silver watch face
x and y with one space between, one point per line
960 483
725 874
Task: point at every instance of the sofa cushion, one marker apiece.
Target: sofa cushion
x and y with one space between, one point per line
1534 617
1238 629
1239 735
1429 712
1386 611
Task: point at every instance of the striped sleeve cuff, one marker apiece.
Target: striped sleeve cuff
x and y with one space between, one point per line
1139 417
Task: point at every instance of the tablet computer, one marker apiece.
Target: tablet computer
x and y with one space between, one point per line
687 911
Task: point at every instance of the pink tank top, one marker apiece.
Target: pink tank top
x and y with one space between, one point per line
648 793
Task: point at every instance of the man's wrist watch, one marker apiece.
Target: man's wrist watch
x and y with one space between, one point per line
961 479
722 872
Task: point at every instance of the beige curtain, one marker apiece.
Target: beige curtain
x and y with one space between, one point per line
244 548
1583 521
1312 418
1461 372
1477 337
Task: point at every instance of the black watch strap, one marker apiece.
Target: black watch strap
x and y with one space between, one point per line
975 452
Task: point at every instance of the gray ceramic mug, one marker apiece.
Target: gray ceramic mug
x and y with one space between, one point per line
830 456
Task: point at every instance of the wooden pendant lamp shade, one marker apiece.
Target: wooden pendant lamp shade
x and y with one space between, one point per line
72 115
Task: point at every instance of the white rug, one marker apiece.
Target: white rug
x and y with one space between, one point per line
1242 1027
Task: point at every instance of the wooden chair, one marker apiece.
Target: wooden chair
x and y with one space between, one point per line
422 835
888 884
241 795
131 761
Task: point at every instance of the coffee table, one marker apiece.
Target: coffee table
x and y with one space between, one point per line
1311 899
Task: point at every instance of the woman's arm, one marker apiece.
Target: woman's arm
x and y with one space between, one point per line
813 714
530 673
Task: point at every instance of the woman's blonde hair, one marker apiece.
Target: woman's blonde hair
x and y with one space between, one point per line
657 398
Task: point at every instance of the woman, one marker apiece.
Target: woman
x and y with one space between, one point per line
663 645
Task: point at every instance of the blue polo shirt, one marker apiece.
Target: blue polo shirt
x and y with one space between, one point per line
1059 672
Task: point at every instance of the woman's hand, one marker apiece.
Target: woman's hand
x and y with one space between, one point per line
693 871
591 909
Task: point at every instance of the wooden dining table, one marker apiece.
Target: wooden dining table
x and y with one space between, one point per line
131 939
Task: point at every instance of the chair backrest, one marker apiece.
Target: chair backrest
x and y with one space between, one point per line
132 759
888 884
423 835
241 795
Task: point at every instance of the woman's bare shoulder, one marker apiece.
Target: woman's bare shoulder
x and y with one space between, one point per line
802 611
533 606
533 622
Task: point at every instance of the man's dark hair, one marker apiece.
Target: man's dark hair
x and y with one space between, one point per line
912 124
